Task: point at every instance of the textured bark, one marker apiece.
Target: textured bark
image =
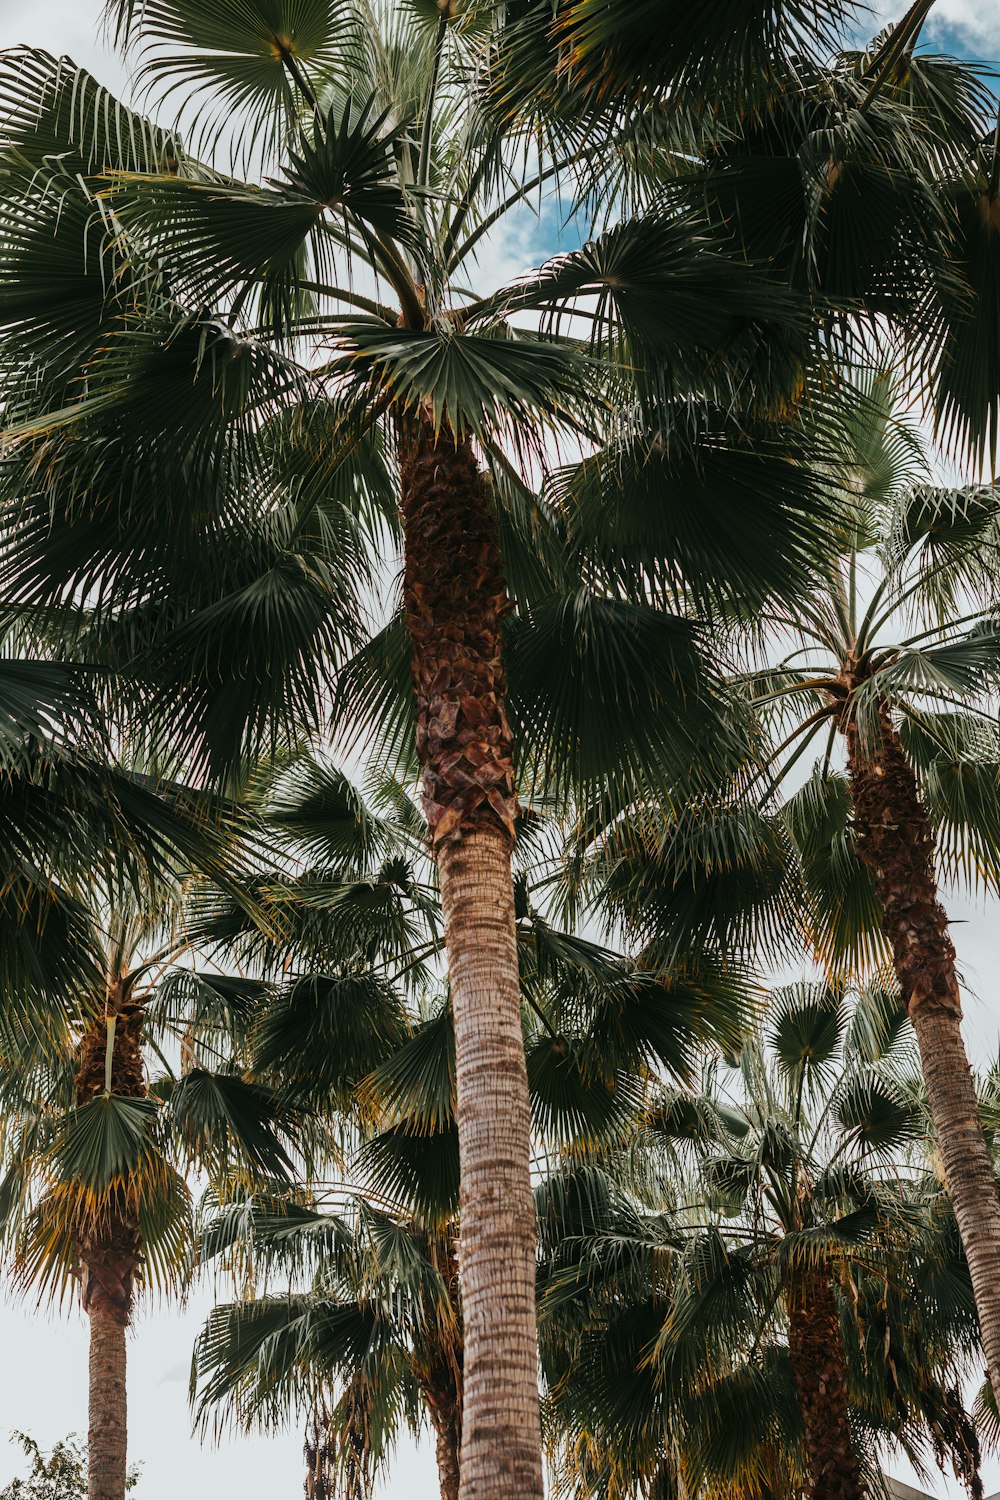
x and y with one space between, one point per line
455 600
107 1436
109 1252
894 838
439 1371
816 1351
448 1436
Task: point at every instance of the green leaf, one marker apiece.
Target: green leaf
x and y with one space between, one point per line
52 109
233 58
221 239
967 383
105 1142
659 281
696 510
877 1118
604 688
808 1027
419 1172
229 1125
324 1033
415 1087
491 385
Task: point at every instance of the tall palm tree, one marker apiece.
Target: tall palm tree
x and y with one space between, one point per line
157 296
384 1252
895 660
782 1297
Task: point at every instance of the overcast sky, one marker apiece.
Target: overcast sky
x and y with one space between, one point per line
43 1373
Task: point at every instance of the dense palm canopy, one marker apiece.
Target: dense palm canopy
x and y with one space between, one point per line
252 356
771 1287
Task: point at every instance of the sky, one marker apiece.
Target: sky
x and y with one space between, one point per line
43 1372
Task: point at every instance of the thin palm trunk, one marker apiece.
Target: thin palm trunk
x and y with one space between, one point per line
895 839
455 600
109 1252
816 1352
440 1371
108 1415
447 1421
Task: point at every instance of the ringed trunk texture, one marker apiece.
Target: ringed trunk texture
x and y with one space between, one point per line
816 1352
455 599
895 840
109 1252
108 1421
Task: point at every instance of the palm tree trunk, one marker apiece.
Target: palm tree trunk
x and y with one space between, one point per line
109 1252
894 838
816 1352
441 1368
107 1436
448 1436
455 600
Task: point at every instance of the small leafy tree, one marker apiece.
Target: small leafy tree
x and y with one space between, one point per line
60 1474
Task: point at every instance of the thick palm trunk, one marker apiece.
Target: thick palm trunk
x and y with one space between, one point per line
894 838
455 600
109 1253
816 1351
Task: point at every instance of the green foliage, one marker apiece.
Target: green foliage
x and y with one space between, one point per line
60 1474
667 1274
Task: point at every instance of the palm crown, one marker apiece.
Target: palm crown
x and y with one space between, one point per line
711 1316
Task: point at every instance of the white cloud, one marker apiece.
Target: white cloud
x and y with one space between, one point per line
968 27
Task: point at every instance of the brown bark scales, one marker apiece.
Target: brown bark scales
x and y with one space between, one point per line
446 1418
439 1370
816 1352
107 1437
894 838
455 599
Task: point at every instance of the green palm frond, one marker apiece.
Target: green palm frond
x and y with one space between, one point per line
967 388
499 384
224 240
234 60
229 1126
591 679
321 1035
698 513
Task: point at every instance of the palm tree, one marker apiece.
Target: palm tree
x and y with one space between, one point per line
378 1251
782 1296
95 1154
156 297
895 657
